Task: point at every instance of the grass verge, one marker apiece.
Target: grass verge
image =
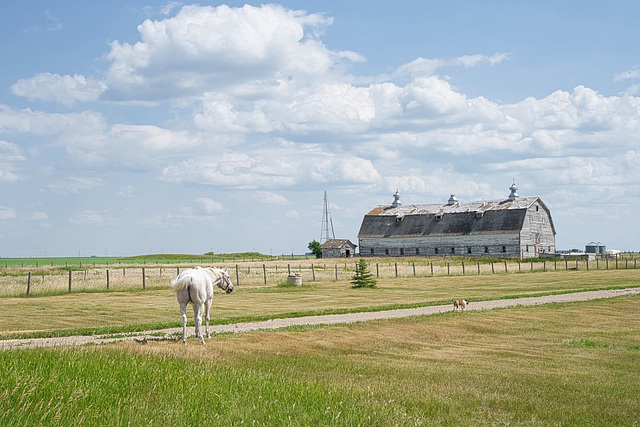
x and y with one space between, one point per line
558 364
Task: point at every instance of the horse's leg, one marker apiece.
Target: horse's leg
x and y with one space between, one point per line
207 308
197 312
183 311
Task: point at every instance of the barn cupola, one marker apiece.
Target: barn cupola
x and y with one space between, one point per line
396 200
514 195
452 200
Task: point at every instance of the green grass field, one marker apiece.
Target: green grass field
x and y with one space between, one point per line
559 364
139 259
573 364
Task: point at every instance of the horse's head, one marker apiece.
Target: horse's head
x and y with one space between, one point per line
225 284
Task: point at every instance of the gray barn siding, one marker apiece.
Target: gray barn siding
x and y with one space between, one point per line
479 245
537 235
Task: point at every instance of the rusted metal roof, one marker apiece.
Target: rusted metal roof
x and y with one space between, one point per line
457 207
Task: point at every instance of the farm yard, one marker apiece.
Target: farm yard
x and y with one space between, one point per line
556 364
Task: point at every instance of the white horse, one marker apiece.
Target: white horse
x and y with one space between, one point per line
195 286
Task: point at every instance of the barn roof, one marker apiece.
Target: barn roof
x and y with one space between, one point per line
481 217
457 207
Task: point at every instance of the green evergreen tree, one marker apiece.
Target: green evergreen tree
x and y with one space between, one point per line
363 277
315 248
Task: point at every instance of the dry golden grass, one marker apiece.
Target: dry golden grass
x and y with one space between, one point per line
159 307
568 364
55 279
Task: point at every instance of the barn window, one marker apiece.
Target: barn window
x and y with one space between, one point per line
469 249
486 249
530 220
438 217
504 249
401 251
436 251
527 248
543 221
453 250
537 207
417 251
386 251
372 251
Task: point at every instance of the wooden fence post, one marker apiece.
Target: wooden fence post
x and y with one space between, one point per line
377 271
431 269
505 267
478 268
144 284
313 271
493 270
264 271
107 279
69 281
414 269
336 265
396 269
463 268
289 269
237 276
28 283
448 270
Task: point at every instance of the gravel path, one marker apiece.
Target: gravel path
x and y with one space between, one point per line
330 319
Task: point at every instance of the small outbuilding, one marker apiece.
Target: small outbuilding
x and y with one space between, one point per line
338 248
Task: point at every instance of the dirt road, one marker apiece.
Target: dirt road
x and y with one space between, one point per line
318 320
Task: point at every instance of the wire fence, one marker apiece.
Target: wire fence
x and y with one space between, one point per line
44 280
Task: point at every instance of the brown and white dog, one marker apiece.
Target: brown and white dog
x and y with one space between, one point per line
460 304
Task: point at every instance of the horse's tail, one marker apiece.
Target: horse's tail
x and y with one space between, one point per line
180 282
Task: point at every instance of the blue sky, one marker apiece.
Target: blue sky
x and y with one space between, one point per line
134 127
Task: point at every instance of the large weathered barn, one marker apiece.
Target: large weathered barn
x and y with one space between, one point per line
513 227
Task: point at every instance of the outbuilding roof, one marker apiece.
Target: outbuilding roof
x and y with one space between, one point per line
336 244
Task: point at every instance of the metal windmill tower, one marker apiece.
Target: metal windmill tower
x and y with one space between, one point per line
327 223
